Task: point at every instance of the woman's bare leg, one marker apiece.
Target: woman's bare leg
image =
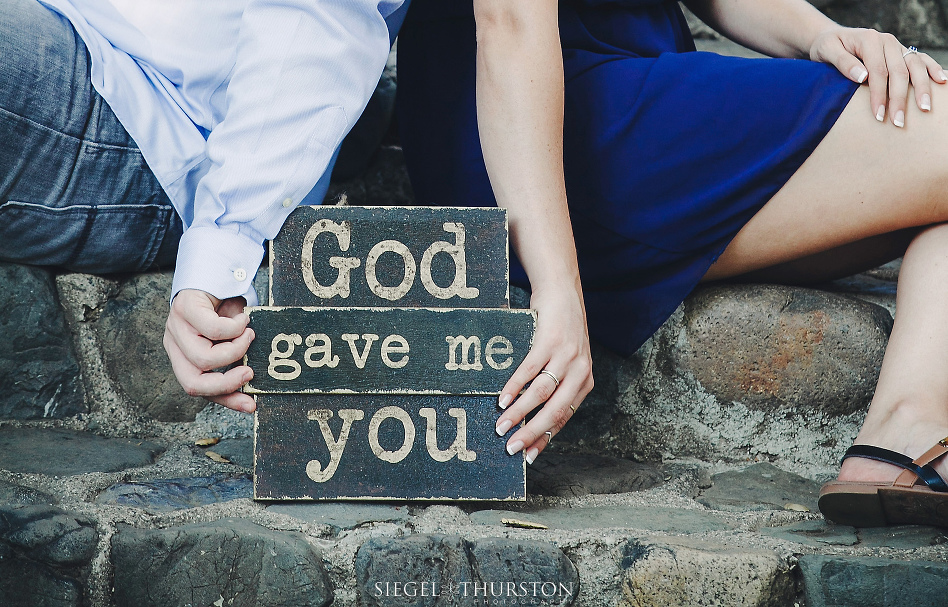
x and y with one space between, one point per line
864 180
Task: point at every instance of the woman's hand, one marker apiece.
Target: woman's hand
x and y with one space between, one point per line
561 347
890 67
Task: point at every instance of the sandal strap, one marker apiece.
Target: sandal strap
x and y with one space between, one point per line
908 478
924 472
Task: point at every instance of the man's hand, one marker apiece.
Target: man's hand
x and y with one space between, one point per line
205 333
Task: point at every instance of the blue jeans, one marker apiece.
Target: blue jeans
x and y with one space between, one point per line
75 192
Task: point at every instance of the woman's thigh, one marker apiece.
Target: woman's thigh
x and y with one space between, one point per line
75 191
865 179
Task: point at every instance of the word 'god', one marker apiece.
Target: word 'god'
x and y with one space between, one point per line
345 265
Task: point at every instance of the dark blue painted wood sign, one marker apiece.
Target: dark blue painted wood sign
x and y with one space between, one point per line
377 364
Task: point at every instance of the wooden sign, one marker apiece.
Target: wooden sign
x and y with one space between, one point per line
376 447
390 410
391 256
387 350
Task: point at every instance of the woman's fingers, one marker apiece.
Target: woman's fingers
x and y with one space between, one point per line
834 52
935 71
921 81
898 83
872 52
533 437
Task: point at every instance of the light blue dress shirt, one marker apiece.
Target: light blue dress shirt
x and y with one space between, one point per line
238 106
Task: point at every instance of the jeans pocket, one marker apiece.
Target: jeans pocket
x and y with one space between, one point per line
81 238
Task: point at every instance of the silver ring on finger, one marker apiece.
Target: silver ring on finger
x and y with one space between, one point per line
549 437
553 377
911 51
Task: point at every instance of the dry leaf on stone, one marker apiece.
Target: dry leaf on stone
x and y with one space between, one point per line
217 457
207 442
513 522
795 507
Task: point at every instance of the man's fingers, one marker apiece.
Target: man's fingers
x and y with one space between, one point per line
198 383
197 310
206 355
233 308
237 401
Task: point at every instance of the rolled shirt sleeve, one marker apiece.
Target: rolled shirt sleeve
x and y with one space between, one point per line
303 74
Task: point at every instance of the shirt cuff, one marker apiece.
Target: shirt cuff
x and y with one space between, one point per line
219 262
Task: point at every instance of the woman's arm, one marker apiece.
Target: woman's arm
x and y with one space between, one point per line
778 28
794 28
520 119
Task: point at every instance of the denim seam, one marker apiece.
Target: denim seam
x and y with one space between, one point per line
89 142
72 207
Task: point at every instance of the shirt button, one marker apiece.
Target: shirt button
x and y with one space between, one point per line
287 203
240 274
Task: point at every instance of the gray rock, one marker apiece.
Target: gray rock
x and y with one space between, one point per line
814 533
44 555
731 376
129 329
903 538
872 582
763 346
24 583
697 574
384 183
237 450
39 373
454 571
48 534
868 287
228 562
674 520
918 22
223 422
574 474
759 487
17 495
342 515
64 453
178 493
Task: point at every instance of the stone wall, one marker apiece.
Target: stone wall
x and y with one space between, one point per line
921 23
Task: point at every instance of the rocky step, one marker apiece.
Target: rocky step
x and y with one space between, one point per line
163 523
739 373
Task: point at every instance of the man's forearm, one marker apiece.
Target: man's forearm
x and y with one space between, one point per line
779 28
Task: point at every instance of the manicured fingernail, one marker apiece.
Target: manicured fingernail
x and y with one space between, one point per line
942 76
926 102
502 427
899 120
505 401
532 454
515 447
880 115
859 74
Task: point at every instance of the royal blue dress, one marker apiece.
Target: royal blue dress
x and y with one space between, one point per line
668 152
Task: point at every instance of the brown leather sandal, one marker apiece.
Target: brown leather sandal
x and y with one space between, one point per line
919 496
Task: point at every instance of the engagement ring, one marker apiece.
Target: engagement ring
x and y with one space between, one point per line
911 51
